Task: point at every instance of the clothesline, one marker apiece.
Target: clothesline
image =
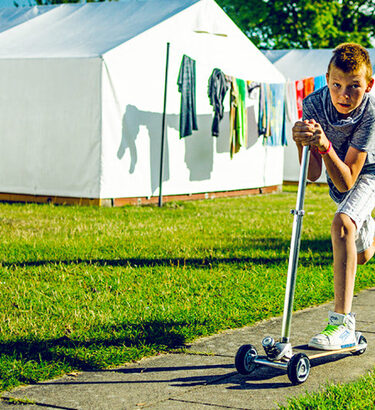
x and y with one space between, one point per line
277 102
271 113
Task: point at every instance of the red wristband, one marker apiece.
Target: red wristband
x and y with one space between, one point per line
327 151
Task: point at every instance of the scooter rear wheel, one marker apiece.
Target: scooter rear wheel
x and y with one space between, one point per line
245 359
362 340
298 368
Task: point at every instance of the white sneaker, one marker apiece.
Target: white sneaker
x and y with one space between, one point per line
339 333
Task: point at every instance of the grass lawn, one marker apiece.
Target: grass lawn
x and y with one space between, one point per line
352 396
85 288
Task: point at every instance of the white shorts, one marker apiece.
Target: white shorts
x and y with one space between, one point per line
358 205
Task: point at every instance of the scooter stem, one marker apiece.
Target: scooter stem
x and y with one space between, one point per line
294 247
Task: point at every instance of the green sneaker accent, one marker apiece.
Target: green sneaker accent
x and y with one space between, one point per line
330 330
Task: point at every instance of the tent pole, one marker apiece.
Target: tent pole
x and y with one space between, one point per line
163 130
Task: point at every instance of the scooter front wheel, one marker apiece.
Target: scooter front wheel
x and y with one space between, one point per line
245 357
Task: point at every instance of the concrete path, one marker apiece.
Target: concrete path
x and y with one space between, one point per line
205 377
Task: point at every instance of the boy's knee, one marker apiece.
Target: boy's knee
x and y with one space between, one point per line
366 255
361 259
342 227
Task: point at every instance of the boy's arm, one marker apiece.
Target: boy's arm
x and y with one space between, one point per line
343 173
315 162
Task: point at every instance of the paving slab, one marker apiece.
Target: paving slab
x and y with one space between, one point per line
205 377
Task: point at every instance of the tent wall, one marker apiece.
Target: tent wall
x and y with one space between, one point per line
50 126
82 98
132 119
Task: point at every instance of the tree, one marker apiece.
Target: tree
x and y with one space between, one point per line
278 24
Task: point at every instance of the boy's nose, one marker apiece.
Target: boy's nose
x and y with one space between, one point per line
345 94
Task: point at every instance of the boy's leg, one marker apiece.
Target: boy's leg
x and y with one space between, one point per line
340 331
366 241
343 233
366 255
352 231
352 235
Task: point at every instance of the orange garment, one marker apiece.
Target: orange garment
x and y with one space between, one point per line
308 86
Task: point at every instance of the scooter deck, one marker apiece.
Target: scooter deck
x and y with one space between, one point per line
313 353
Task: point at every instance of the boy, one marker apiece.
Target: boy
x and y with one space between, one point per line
339 125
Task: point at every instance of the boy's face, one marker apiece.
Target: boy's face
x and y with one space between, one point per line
347 89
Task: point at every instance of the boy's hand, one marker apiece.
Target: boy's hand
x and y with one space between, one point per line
302 132
309 132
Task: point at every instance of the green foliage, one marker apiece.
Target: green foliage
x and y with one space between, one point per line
281 24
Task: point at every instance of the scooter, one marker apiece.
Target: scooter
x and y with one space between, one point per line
280 354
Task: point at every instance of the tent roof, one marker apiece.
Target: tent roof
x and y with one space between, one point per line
80 30
12 16
299 64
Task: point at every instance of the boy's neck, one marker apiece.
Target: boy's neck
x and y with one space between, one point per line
343 116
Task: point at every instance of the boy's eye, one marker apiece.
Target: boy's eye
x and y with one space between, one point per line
355 86
337 85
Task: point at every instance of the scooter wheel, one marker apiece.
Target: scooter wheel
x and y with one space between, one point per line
361 340
245 359
298 368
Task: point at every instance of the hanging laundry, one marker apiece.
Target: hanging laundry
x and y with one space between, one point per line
251 86
319 82
308 86
284 140
291 102
186 86
277 117
242 117
264 114
299 93
237 115
217 88
272 114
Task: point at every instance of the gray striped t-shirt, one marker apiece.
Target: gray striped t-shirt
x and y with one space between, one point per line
357 131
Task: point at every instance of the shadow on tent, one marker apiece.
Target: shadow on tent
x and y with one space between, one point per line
199 147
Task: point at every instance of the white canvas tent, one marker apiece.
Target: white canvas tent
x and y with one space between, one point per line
297 65
82 99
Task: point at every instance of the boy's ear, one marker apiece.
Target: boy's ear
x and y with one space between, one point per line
369 85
